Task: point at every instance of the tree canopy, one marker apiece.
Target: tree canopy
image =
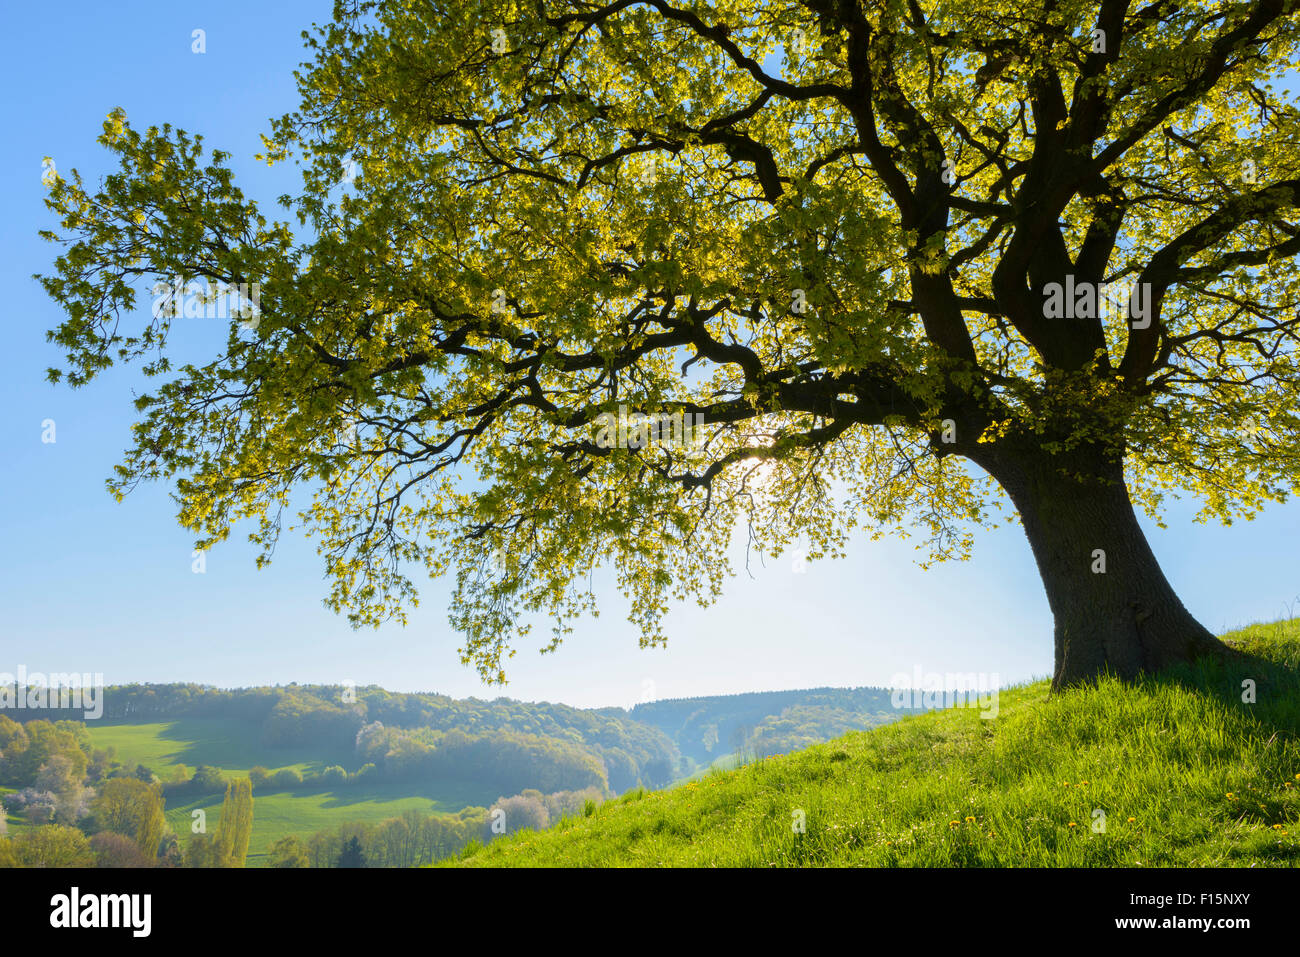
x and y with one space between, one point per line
882 251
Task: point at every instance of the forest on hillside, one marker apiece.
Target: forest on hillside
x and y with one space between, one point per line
511 744
762 723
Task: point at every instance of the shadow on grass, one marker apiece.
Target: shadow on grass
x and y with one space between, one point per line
1260 679
237 743
449 796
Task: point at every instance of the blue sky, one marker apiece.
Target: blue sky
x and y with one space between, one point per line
90 585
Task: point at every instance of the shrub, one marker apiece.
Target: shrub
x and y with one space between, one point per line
54 846
287 778
117 850
207 780
288 852
29 797
521 812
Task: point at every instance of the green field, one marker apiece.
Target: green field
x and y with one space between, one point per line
231 745
225 743
304 811
1184 772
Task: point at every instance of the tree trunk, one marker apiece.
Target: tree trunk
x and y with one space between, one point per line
1115 612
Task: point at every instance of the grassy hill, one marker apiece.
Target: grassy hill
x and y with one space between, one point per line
1184 772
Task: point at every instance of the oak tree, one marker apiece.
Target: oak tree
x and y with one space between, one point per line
896 263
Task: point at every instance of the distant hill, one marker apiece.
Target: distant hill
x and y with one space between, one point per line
761 723
524 744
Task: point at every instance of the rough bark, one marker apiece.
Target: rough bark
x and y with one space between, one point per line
1078 518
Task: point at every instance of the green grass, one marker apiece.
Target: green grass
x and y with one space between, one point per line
1184 771
226 743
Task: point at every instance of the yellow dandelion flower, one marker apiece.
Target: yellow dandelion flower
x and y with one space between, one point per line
954 823
970 819
1132 820
1072 824
1231 795
1277 827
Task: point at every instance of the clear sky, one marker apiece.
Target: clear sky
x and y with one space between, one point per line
88 585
